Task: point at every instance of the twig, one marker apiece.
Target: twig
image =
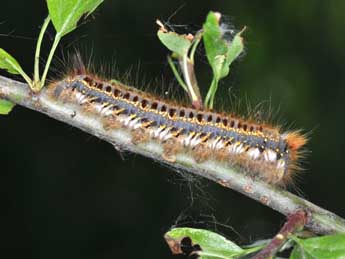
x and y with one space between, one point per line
321 221
295 222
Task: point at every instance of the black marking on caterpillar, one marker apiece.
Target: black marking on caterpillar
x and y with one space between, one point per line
260 149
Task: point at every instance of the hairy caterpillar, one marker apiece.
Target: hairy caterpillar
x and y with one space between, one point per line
261 150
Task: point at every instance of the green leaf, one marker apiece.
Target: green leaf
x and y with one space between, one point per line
5 107
220 52
65 14
178 44
235 49
9 63
212 245
326 247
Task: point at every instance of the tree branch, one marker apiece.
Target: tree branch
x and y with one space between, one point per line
320 221
295 222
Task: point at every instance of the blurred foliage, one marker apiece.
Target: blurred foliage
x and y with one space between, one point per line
5 107
332 247
70 195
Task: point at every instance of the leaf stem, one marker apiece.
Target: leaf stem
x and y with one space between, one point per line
197 39
38 50
190 79
187 78
20 71
176 73
209 99
50 57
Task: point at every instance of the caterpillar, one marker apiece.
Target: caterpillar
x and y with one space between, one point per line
261 150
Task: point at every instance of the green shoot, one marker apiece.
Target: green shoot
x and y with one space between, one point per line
65 15
36 82
220 52
183 49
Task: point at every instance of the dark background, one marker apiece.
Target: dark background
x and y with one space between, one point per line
69 195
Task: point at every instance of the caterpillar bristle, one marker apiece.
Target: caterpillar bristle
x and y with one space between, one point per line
255 147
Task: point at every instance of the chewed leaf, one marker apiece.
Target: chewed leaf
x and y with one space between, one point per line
326 247
235 49
9 63
178 44
6 107
220 52
66 14
204 243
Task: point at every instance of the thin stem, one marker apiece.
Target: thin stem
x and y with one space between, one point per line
50 57
295 223
208 95
213 94
189 77
20 71
320 221
177 74
38 50
196 42
209 100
